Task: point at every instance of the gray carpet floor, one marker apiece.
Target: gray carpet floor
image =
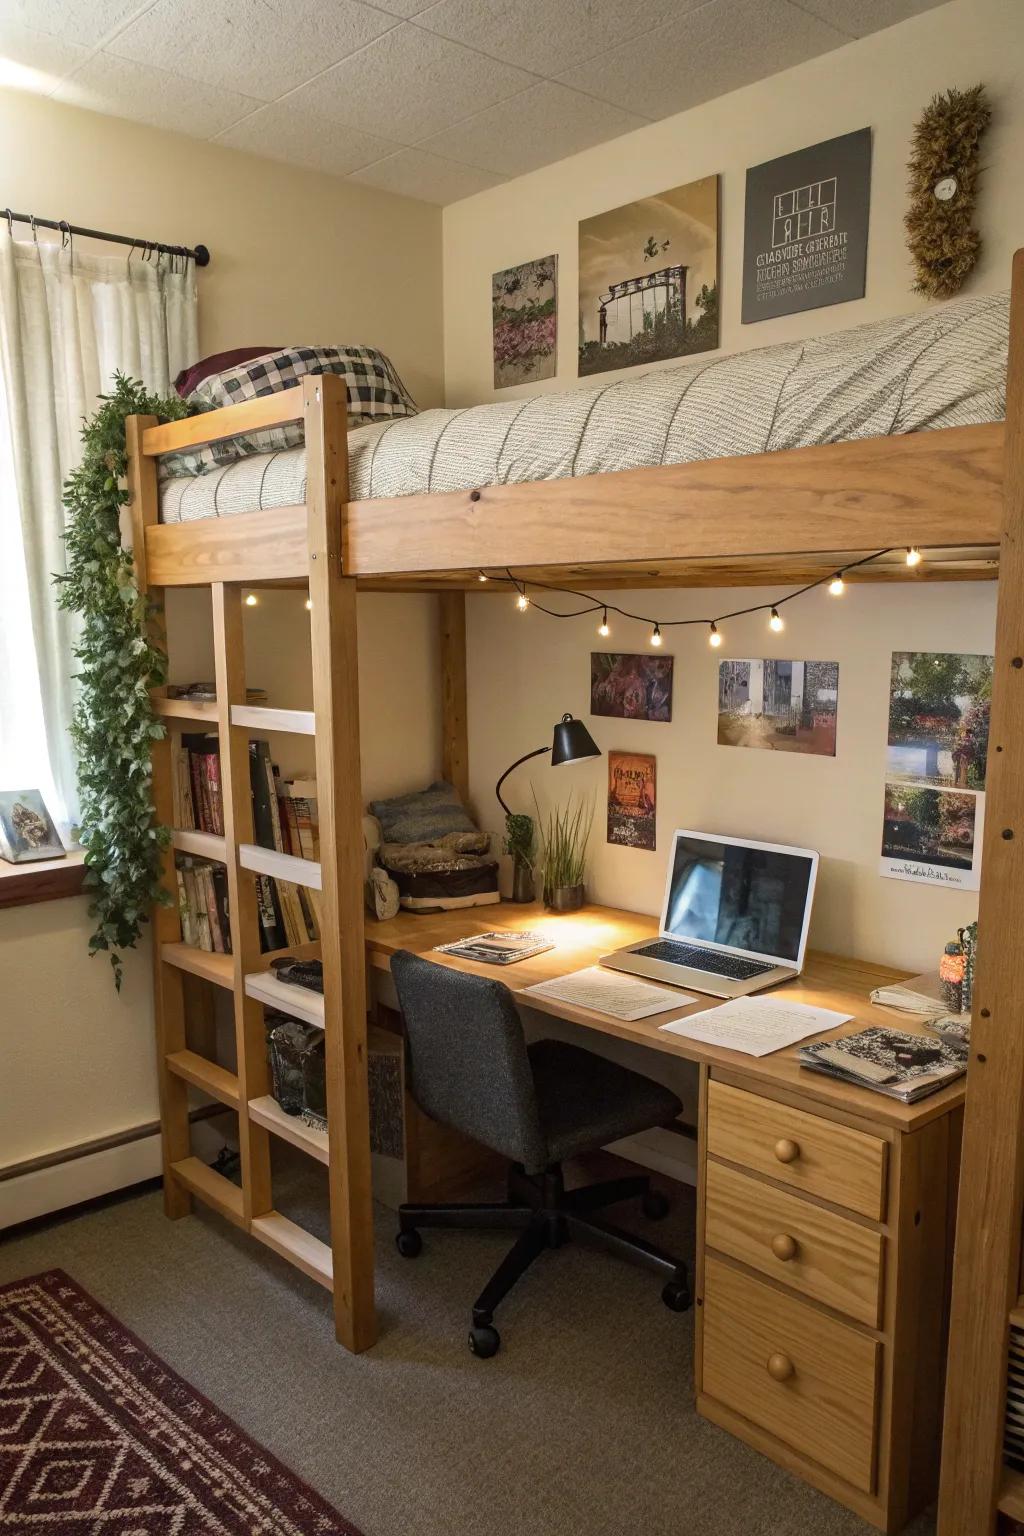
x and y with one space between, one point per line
581 1426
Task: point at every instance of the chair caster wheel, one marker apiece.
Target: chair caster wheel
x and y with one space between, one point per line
484 1342
654 1205
676 1296
409 1243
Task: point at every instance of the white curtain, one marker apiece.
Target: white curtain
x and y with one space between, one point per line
68 322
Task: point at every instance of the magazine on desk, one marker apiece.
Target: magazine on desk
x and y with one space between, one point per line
497 947
902 1066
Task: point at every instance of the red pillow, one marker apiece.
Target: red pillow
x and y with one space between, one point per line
191 378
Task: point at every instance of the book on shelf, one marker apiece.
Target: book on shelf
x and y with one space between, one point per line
902 1066
298 797
206 693
197 801
288 914
203 904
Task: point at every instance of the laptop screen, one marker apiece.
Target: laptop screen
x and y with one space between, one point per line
730 894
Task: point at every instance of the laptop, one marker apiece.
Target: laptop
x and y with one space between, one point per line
735 916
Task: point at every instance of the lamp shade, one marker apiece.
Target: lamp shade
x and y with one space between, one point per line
572 741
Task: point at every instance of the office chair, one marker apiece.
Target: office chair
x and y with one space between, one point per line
469 1067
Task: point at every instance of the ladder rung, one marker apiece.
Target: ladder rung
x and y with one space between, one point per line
300 1002
258 717
200 962
207 845
204 710
296 1245
292 1128
205 1074
281 866
212 1188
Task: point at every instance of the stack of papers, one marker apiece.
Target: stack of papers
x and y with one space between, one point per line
757 1026
611 992
904 1067
497 948
921 995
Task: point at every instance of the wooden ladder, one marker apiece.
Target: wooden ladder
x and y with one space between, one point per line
345 1266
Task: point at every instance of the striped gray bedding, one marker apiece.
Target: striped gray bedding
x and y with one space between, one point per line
945 367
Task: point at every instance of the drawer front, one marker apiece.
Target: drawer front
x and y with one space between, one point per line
804 1150
806 1379
817 1252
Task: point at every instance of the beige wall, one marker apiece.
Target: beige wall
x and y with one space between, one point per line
883 82
296 257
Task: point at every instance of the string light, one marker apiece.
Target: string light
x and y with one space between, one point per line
522 602
309 605
775 621
602 628
481 576
837 586
656 635
913 556
714 638
251 600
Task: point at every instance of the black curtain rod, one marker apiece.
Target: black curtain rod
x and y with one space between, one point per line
200 255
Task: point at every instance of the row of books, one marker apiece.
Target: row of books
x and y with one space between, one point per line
203 904
286 822
206 693
197 802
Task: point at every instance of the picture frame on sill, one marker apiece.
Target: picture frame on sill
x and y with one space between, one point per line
27 830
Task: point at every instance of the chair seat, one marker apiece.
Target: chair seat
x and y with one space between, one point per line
586 1101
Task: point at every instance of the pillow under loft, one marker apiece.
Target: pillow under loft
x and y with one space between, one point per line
375 393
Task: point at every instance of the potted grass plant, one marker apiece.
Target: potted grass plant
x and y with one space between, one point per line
564 838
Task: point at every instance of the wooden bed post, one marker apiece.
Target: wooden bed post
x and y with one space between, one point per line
168 995
986 1277
339 796
454 711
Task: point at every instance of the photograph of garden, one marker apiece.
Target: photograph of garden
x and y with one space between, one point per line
938 719
524 319
782 706
929 826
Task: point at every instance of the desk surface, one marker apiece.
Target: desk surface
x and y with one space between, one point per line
581 938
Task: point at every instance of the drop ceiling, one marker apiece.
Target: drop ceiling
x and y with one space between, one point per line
432 100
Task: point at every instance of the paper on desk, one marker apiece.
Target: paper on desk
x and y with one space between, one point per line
611 992
757 1025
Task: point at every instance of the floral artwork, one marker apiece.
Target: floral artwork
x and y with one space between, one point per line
648 284
524 320
631 687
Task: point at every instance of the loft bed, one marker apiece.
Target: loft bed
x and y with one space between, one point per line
955 492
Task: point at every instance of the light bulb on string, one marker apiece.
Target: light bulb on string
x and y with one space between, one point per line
309 604
251 600
913 556
602 628
522 602
775 621
837 586
656 635
714 638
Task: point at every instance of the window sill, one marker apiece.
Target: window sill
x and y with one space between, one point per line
47 880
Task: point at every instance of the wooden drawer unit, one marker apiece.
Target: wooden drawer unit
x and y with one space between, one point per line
817 1252
815 1155
807 1379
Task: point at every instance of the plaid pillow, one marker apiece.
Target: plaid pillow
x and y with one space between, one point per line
375 392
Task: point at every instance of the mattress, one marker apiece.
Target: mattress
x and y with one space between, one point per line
944 367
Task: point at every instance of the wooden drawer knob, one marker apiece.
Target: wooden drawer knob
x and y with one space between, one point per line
787 1151
784 1247
780 1367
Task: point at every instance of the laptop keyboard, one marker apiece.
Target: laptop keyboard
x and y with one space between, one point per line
709 960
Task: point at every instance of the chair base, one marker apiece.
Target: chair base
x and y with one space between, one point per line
546 1215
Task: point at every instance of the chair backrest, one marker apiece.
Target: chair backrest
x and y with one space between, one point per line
466 1062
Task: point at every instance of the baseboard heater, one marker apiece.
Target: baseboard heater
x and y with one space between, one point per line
59 1180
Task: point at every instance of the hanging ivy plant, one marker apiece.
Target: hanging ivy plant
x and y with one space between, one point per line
114 725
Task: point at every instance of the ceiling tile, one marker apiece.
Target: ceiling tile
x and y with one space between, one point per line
280 132
415 174
859 17
262 48
146 95
35 61
546 37
538 126
725 44
86 22
408 84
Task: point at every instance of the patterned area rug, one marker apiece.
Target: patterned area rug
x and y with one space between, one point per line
99 1437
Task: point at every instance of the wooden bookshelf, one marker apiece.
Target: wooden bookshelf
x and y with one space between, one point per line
291 1128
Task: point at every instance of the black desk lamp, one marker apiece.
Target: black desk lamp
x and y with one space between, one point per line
570 744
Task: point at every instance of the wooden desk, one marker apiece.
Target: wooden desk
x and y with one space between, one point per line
825 1214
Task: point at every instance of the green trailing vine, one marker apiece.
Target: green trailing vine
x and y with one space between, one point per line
118 663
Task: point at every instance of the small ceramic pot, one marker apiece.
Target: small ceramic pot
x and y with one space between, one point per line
565 898
523 881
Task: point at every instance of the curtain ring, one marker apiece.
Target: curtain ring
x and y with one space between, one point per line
65 233
35 232
131 253
9 216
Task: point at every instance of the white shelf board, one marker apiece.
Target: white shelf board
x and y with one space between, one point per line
280 866
298 1002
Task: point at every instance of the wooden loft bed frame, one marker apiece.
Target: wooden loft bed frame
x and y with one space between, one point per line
781 517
